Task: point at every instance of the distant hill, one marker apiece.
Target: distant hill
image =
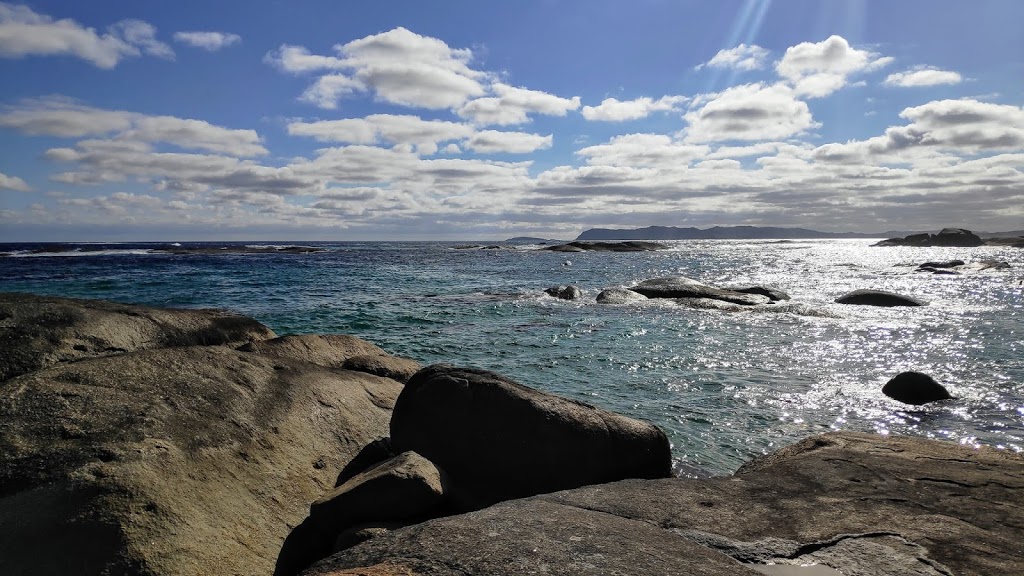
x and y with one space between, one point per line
722 233
751 233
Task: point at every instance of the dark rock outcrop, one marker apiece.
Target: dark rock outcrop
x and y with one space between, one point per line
856 503
681 287
565 292
957 237
631 246
40 331
498 440
878 298
167 460
619 296
915 388
331 350
773 294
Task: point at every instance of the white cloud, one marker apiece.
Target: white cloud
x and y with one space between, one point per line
638 150
819 69
13 183
513 104
922 76
936 129
209 41
399 66
24 32
614 110
743 57
423 135
68 119
749 112
493 141
328 90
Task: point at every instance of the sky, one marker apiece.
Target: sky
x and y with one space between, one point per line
136 120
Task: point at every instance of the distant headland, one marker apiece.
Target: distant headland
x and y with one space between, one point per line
746 233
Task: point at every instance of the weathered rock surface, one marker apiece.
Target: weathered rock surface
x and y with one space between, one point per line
915 388
40 331
565 292
629 246
619 296
773 294
682 287
393 367
878 298
961 267
958 237
498 440
864 505
331 350
178 460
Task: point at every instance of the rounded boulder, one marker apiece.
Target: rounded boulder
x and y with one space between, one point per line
915 388
499 440
878 298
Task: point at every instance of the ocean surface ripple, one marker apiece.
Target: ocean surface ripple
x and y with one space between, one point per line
725 385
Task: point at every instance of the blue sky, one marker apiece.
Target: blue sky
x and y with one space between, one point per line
129 120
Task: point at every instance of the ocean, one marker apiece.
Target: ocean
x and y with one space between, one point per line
724 385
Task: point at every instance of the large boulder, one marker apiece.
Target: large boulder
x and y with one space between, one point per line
773 294
878 298
849 503
682 287
394 367
498 440
39 331
915 388
619 296
172 461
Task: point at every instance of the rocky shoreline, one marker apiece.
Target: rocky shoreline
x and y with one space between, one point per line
137 440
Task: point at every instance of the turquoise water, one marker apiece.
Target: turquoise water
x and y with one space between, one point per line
725 385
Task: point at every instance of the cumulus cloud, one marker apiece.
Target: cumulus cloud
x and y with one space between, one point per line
819 69
743 57
512 104
13 183
614 110
423 135
209 41
637 150
493 141
399 66
935 129
24 32
922 76
328 90
67 118
749 112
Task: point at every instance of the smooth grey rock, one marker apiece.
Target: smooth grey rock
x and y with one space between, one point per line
619 296
860 504
682 287
915 388
497 439
330 350
773 294
878 298
394 367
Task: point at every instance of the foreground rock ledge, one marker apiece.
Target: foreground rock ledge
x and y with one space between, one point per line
862 504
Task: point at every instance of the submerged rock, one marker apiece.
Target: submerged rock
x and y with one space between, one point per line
565 292
498 440
878 298
856 503
629 246
915 388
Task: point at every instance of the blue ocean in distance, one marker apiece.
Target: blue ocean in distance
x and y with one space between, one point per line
724 385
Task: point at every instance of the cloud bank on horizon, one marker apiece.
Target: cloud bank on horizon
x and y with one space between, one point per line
390 132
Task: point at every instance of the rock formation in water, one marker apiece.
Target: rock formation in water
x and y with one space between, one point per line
878 298
682 287
915 388
565 292
958 237
632 246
